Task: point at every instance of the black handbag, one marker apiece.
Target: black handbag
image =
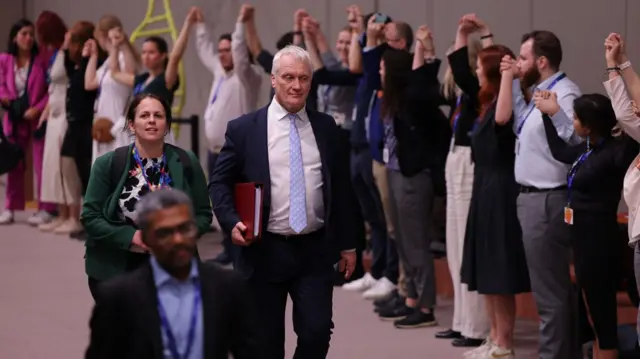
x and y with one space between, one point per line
12 154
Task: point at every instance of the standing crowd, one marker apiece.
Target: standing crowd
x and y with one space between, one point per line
352 153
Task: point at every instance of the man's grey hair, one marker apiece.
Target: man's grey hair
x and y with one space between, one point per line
158 200
294 51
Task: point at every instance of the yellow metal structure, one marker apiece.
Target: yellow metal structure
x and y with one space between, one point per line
143 30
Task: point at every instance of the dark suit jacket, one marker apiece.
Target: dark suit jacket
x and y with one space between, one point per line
126 325
244 158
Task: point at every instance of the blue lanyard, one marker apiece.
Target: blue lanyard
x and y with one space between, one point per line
325 97
532 105
457 116
574 169
164 180
215 93
191 335
51 61
138 89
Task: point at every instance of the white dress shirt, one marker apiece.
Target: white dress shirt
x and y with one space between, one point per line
278 151
535 166
237 90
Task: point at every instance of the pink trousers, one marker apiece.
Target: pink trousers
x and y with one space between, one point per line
15 195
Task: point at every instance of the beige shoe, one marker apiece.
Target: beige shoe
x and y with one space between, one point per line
48 227
69 226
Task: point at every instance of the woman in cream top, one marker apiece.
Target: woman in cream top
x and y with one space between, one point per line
621 72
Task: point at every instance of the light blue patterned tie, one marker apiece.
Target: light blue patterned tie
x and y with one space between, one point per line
297 192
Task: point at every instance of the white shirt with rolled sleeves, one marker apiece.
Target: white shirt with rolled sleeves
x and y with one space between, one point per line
237 90
534 165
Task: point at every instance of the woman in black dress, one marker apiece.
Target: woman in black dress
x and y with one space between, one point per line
594 186
494 262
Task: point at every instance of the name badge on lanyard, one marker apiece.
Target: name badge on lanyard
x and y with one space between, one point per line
532 106
568 211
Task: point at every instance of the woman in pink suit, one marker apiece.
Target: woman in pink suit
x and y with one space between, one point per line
23 95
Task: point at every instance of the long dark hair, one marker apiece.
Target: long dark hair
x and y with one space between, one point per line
595 112
490 58
397 66
12 47
135 102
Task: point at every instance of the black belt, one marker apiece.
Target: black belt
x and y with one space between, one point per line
295 236
529 189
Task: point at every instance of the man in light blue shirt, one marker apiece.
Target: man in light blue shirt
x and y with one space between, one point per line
165 310
543 193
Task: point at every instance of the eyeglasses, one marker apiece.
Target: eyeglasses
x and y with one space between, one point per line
187 229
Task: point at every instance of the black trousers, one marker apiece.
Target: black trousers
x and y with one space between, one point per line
134 261
596 255
298 267
78 145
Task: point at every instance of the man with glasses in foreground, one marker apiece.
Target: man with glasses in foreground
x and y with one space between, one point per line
174 302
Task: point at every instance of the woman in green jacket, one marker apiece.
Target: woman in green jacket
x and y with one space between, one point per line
121 177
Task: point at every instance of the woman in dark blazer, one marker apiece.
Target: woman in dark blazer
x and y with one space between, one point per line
120 178
415 145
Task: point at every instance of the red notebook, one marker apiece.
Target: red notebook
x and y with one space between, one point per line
248 200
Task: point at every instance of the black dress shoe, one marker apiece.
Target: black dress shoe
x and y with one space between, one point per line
397 313
448 334
418 319
464 342
395 303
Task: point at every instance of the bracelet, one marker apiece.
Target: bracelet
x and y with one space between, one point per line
487 36
613 69
297 33
625 65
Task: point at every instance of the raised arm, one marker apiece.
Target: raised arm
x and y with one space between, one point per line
358 28
424 49
615 86
514 103
310 29
328 58
560 150
205 46
241 62
118 44
90 77
547 102
171 73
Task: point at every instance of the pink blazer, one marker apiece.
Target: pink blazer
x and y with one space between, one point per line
37 86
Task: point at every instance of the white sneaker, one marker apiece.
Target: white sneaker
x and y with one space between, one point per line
501 353
381 289
481 352
360 285
39 218
6 217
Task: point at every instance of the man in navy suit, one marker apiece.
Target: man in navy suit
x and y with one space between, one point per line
301 158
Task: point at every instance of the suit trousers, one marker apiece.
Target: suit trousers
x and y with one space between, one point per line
15 192
547 245
411 207
299 267
469 313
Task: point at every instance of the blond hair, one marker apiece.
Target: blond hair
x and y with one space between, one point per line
449 88
108 22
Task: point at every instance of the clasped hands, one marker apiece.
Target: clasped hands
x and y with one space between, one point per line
546 101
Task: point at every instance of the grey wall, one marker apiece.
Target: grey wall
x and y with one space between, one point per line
582 25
